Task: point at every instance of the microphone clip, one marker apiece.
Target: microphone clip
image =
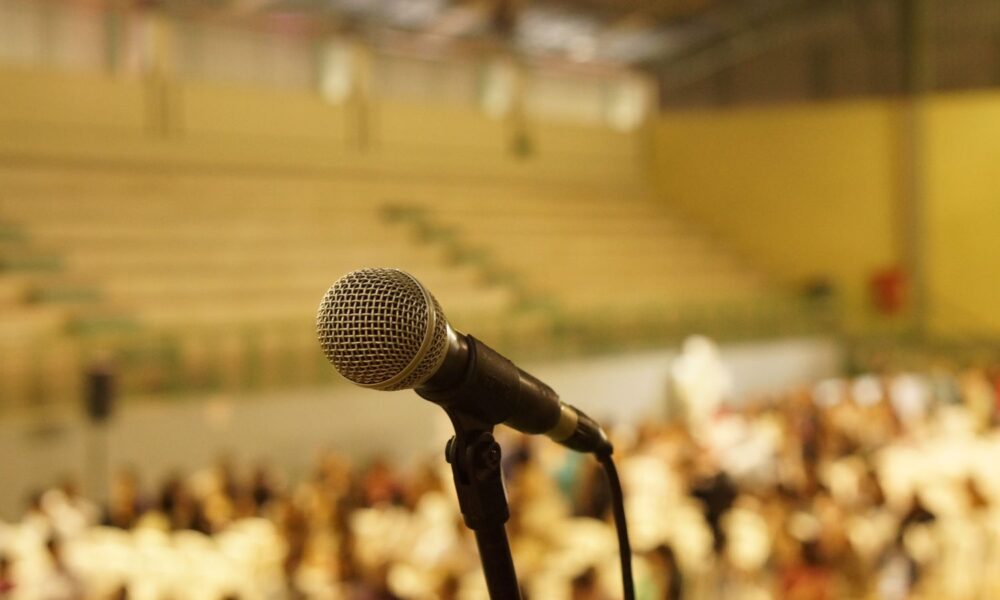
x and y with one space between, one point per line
475 459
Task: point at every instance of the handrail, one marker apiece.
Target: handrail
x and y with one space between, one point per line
238 359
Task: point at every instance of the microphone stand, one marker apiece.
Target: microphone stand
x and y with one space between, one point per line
474 456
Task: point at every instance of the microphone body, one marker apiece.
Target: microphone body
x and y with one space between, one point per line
477 380
380 328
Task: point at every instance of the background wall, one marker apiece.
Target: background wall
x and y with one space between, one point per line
963 212
814 190
807 191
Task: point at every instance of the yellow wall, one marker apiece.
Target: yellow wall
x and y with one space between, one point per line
963 212
807 191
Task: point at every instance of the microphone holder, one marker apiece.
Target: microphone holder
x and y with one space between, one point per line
474 456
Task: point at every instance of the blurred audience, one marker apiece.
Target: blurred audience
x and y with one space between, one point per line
6 577
880 486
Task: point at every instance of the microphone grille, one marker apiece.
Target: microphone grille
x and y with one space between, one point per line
381 328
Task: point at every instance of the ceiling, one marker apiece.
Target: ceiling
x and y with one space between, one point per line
858 47
608 32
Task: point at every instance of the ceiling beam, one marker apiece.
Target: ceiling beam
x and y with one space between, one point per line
800 21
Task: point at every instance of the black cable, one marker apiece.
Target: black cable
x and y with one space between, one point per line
618 508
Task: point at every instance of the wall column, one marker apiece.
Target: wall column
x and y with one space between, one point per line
917 82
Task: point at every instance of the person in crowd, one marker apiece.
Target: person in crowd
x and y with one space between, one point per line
380 485
35 518
591 498
7 583
449 588
898 572
61 582
666 574
375 586
70 513
716 491
125 504
262 488
585 586
808 577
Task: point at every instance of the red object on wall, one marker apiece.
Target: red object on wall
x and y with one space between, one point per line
888 289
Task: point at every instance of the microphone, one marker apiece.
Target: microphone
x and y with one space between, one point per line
382 329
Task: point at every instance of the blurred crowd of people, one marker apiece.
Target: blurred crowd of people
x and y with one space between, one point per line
879 486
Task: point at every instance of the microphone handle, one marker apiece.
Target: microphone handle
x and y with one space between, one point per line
491 388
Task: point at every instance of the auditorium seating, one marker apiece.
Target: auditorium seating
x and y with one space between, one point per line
591 251
210 280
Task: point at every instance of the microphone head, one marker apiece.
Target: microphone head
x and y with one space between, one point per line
380 328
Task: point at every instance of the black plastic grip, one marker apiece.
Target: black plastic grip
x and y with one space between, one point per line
536 407
477 381
493 389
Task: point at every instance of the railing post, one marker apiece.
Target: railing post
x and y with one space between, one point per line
162 93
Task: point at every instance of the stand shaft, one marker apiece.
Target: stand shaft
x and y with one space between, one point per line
498 567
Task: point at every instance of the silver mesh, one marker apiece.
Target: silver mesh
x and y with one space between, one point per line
380 328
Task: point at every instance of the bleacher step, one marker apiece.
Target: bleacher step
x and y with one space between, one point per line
64 294
16 261
101 324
